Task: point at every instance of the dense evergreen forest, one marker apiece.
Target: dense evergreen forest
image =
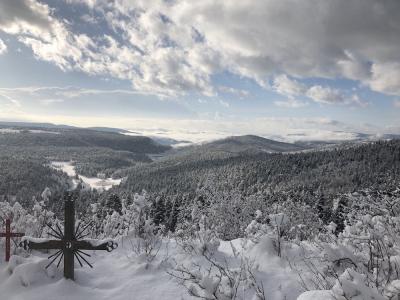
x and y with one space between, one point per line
27 152
316 200
80 138
336 171
196 176
315 178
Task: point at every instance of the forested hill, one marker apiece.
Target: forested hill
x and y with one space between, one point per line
27 151
250 143
330 172
22 179
80 138
246 143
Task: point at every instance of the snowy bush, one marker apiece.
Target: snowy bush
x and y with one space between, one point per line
211 277
365 255
354 286
199 239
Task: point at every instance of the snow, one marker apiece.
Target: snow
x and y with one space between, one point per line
100 184
124 275
96 243
66 167
33 239
156 267
278 219
43 131
11 130
316 295
118 275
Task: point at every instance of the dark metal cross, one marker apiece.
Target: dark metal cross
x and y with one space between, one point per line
68 244
8 235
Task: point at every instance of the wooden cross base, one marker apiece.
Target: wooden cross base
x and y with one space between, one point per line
8 235
68 243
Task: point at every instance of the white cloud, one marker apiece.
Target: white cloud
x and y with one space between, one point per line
89 19
386 78
172 47
396 103
24 16
94 102
289 87
223 103
239 92
292 88
11 100
3 47
54 94
50 101
302 38
354 67
325 95
291 103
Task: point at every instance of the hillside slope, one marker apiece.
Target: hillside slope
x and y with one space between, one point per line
80 138
250 143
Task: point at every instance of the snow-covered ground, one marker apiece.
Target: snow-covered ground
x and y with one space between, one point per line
9 130
91 182
118 276
123 275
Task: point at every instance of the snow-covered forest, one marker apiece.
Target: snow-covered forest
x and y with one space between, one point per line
286 251
320 224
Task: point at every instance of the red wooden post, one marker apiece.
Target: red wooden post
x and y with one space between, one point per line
8 239
8 235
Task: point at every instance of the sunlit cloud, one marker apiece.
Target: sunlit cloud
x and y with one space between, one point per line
216 61
3 47
172 47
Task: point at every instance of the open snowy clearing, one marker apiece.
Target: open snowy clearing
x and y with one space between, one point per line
90 182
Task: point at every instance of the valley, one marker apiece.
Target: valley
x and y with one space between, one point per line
175 210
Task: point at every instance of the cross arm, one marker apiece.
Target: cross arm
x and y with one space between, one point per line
11 234
39 244
108 245
17 234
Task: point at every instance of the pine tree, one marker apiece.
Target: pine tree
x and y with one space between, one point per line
114 203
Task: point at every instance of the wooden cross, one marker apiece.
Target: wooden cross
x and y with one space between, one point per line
8 235
68 244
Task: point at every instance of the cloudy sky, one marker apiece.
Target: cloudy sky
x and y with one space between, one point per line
211 67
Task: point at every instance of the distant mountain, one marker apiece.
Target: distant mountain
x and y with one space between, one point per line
168 141
357 139
250 143
76 137
35 125
30 125
109 129
232 146
385 136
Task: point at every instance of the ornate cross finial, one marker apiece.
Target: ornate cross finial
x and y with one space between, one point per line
69 244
